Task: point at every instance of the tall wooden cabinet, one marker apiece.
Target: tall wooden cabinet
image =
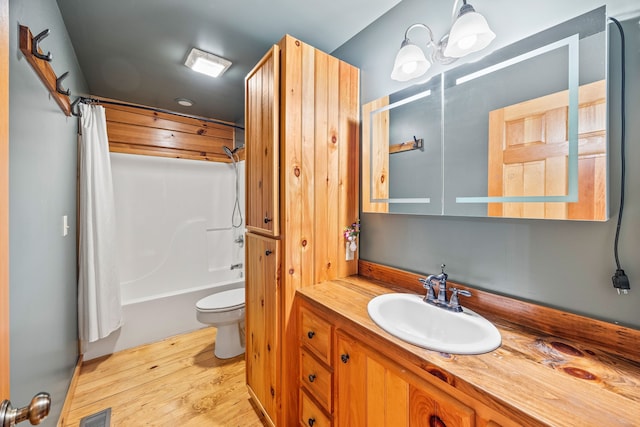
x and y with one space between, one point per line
302 139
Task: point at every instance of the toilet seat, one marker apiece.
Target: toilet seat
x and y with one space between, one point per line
230 300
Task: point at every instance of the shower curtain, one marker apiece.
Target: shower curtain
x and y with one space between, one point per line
99 305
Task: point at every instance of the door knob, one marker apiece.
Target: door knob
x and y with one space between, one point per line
37 411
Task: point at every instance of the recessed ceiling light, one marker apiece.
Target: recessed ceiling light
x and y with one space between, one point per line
185 102
206 63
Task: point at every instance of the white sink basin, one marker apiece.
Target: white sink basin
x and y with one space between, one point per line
408 317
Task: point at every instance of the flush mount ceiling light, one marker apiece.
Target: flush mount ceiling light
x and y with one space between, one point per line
206 63
469 33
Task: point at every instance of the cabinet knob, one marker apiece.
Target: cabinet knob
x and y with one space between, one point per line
311 422
312 378
267 220
268 252
310 334
344 358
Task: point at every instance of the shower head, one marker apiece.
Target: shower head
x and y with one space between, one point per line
229 152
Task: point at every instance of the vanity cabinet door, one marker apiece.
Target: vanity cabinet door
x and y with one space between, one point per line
262 118
350 387
369 390
432 408
261 304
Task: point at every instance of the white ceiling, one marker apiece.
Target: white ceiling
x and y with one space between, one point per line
134 50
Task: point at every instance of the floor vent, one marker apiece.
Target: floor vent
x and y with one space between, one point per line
99 419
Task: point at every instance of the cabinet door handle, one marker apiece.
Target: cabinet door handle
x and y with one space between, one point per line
310 334
311 422
344 358
267 220
268 252
312 378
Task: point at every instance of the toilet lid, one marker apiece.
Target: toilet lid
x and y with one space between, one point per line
222 301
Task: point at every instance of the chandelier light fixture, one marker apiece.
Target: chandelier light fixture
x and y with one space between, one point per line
469 33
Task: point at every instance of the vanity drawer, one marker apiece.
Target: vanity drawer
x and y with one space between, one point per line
316 335
316 378
310 414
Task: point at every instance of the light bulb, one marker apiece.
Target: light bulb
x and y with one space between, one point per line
409 67
468 41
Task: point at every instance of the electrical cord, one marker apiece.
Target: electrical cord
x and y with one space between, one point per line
620 279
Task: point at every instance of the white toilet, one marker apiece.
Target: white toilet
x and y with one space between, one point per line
225 311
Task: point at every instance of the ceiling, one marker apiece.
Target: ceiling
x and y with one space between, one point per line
134 51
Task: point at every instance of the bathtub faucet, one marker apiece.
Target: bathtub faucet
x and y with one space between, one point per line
234 266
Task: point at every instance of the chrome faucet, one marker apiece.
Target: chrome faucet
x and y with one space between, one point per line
234 266
441 300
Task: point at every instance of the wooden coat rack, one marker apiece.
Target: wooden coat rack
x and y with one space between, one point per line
42 66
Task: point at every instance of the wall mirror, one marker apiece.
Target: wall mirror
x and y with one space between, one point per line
520 133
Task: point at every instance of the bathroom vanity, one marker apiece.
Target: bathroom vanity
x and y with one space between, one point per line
353 373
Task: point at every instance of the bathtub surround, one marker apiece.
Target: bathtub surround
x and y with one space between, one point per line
99 304
175 243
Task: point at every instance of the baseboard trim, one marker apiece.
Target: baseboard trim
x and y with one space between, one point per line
70 393
259 408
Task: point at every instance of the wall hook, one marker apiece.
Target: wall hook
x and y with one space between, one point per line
418 143
34 46
59 87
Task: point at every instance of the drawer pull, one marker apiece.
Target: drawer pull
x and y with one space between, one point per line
312 378
310 334
267 220
268 252
311 422
344 358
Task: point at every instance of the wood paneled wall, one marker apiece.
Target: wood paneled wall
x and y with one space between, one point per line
319 162
138 131
319 179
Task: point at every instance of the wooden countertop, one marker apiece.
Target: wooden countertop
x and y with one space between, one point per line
557 381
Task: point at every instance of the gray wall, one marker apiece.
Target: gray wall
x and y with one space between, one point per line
43 327
557 263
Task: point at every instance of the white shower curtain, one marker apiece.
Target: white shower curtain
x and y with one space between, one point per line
99 305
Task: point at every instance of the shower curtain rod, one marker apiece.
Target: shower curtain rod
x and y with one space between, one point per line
99 100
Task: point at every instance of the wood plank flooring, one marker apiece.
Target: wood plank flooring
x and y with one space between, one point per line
177 381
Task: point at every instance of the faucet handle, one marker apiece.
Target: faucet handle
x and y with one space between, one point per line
428 285
453 302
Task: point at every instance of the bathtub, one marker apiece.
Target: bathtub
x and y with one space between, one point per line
153 313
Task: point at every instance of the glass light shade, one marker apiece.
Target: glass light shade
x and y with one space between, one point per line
470 33
410 63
